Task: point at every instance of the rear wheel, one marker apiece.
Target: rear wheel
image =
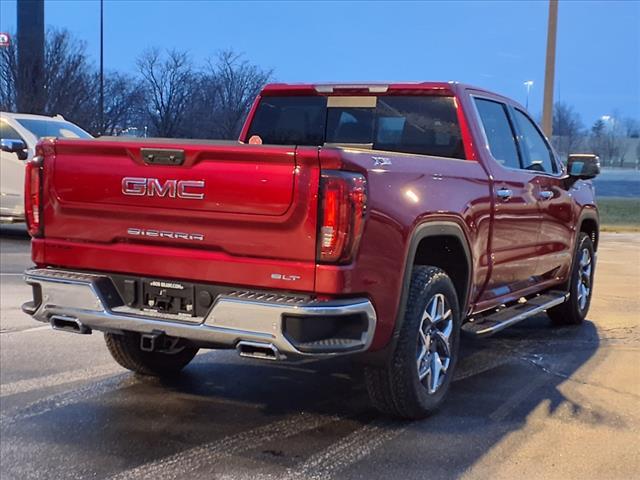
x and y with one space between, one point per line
417 377
169 357
574 310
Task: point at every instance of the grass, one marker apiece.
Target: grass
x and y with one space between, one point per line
619 214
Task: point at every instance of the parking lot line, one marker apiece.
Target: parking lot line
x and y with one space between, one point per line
27 330
349 450
60 400
58 379
181 464
519 396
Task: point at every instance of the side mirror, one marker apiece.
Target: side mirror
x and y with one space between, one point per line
583 166
14 146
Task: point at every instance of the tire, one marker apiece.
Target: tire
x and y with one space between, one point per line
575 309
397 388
125 349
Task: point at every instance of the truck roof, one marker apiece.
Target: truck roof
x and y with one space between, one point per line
350 88
370 87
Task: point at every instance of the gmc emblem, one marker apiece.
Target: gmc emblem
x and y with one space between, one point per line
152 187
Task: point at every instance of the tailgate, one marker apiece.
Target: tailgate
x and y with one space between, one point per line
220 212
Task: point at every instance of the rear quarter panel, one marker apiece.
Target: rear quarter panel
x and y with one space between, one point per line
411 190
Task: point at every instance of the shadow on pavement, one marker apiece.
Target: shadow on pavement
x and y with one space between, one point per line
501 380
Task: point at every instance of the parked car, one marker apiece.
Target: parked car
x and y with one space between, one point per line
19 134
375 221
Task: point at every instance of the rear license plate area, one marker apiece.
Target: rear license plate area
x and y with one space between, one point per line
163 296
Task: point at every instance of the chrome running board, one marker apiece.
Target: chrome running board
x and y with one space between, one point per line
486 325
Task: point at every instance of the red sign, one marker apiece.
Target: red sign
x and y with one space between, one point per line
5 39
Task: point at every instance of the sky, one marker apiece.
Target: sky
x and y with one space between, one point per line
497 45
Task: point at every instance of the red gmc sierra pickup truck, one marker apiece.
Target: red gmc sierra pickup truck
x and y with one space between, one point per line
376 221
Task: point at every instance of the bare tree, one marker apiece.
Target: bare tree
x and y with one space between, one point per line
202 120
169 83
567 128
69 80
235 83
168 95
8 76
608 142
631 127
597 140
124 103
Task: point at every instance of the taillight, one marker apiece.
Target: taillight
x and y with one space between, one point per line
343 203
33 196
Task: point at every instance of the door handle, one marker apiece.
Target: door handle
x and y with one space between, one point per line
546 194
504 194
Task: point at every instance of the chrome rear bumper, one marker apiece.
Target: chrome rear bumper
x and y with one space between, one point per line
241 318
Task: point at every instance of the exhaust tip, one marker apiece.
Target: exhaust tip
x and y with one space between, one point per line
261 351
69 324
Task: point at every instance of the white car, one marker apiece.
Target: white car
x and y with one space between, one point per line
19 134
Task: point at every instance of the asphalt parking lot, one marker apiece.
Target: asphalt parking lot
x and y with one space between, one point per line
531 402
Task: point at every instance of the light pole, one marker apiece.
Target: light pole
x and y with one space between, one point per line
550 69
30 92
528 84
101 126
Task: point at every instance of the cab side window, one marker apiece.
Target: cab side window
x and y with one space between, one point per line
502 142
536 152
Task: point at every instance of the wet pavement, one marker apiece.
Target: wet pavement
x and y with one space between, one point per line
533 401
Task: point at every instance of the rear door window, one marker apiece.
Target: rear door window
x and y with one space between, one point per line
497 128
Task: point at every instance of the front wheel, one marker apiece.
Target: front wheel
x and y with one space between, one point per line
417 377
574 310
168 359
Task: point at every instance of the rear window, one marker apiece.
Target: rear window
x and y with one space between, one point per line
426 125
290 120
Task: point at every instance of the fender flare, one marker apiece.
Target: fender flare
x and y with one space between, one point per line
429 228
588 213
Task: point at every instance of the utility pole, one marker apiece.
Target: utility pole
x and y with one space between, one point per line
101 116
30 94
549 73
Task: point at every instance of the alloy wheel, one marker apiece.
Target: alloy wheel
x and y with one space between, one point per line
434 346
584 279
